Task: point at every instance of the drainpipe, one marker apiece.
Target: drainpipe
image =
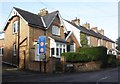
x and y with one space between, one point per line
45 53
18 39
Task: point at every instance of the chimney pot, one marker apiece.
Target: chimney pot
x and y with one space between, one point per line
101 31
76 21
94 29
43 12
86 25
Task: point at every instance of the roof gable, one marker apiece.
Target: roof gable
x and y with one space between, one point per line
32 19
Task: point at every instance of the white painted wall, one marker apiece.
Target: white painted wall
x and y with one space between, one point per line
72 28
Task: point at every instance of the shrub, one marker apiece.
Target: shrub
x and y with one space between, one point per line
88 54
112 62
78 57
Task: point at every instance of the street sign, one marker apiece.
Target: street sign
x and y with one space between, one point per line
42 44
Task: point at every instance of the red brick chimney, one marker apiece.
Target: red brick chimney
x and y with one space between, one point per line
76 21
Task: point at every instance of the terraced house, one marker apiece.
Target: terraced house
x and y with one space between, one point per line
93 36
23 29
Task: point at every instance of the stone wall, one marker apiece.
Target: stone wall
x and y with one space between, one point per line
81 67
89 66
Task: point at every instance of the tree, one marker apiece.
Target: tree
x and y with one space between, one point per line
83 40
118 44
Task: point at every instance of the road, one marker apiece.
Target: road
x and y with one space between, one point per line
106 75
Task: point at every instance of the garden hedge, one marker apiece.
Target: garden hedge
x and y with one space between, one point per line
88 54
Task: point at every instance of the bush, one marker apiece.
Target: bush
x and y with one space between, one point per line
98 53
88 54
78 57
112 62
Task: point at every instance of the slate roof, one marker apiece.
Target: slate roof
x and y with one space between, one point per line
90 32
32 19
58 39
35 20
49 17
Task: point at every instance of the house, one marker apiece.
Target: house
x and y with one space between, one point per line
94 36
23 29
1 43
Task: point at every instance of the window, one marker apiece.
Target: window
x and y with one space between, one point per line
57 51
52 51
1 51
14 49
15 27
72 48
55 30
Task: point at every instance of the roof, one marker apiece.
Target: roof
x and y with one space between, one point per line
58 39
32 19
90 32
50 17
37 20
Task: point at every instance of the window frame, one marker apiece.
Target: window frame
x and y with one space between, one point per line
14 49
1 51
55 30
15 27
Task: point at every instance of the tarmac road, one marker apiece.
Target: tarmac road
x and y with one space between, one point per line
14 75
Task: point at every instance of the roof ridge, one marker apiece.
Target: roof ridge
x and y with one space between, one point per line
25 11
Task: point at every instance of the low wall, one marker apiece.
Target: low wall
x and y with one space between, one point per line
89 66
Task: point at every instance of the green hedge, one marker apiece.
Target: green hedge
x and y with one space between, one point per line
112 62
88 54
77 57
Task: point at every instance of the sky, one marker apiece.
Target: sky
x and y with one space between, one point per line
103 15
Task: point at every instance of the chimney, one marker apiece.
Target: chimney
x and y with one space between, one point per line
94 29
86 25
101 31
43 12
76 21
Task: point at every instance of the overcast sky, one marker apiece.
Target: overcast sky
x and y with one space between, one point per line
103 15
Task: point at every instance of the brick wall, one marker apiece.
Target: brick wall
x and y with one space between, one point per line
9 40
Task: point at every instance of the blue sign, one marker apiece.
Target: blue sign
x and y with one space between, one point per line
42 44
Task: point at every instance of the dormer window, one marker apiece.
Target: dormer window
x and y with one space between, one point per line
15 27
55 30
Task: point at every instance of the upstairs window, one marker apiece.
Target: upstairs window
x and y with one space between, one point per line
15 27
1 51
14 49
55 30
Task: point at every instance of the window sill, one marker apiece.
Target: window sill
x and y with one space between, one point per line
56 35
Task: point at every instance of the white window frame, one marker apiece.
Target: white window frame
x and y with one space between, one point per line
1 51
14 49
63 46
15 27
55 30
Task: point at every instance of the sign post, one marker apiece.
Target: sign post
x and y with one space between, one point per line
42 49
